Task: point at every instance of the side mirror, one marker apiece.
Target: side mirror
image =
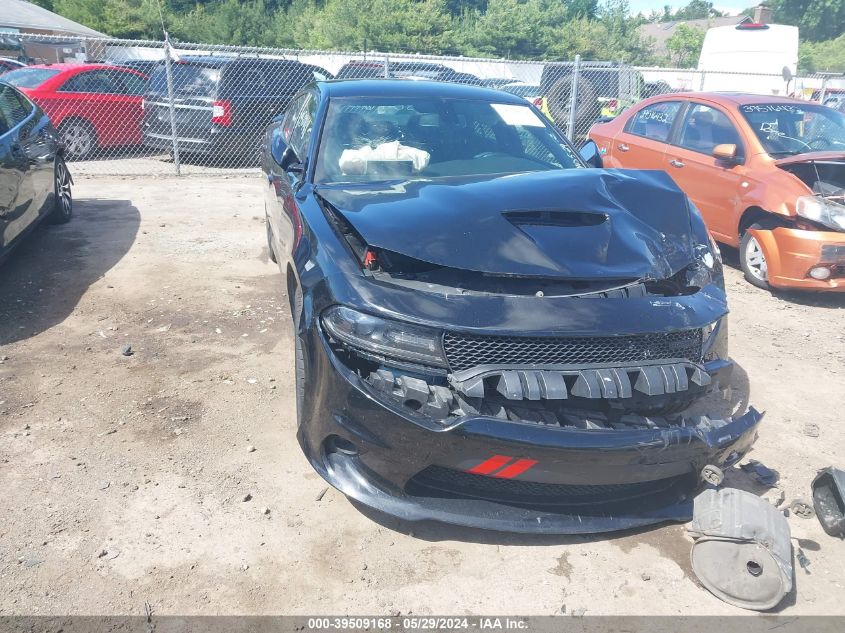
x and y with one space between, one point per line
284 155
726 152
591 155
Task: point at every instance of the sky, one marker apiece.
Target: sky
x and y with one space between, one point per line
646 6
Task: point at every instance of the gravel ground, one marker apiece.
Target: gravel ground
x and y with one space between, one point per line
172 476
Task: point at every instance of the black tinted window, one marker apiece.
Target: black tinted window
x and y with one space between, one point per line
29 77
13 108
188 79
96 81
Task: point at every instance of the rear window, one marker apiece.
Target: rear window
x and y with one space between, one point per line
188 79
29 77
354 71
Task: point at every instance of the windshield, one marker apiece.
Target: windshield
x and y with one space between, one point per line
376 139
786 129
188 79
29 77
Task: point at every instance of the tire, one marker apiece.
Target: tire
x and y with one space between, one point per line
752 260
79 138
270 252
299 357
587 108
62 196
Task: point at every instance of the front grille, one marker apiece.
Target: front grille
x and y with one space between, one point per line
441 481
464 351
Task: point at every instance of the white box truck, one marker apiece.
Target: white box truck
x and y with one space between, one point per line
755 55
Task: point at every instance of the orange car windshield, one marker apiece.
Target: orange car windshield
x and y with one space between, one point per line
786 129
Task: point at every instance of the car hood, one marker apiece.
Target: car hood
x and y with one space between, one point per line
809 157
573 224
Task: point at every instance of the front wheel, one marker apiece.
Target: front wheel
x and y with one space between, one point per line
752 260
63 198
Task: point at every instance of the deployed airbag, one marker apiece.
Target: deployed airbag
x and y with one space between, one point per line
356 161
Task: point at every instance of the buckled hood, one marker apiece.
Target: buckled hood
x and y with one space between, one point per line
574 224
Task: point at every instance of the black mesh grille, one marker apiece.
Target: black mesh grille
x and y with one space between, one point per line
464 351
437 480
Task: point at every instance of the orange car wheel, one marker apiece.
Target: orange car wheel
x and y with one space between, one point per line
752 259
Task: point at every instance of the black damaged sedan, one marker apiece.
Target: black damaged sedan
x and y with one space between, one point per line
487 332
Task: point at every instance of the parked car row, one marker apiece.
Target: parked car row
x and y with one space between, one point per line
222 104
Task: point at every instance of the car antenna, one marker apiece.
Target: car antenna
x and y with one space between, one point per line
818 175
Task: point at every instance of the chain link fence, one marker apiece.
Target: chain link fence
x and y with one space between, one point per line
146 107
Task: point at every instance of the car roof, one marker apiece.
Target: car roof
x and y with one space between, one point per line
76 67
412 88
214 61
731 98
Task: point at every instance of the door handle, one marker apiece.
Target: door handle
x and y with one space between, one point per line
676 163
622 147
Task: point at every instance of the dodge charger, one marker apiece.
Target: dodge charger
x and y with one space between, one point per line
487 331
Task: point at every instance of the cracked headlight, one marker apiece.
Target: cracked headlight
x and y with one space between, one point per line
385 337
823 211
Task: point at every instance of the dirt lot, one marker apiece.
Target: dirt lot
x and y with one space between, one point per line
124 477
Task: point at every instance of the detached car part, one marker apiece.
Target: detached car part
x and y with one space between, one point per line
829 500
742 552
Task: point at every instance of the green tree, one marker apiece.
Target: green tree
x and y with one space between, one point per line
696 10
684 45
828 56
816 19
133 19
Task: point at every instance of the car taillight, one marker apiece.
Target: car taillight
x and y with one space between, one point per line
221 113
538 102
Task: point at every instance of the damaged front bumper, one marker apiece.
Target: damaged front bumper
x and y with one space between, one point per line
421 451
791 254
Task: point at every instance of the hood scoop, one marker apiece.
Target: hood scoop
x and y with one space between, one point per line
562 218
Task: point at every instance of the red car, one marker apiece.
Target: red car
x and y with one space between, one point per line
94 106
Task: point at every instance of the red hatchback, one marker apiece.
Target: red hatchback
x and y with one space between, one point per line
94 106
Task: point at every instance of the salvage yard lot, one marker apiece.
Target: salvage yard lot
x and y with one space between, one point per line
124 478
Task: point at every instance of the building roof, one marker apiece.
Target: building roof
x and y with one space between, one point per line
22 15
662 31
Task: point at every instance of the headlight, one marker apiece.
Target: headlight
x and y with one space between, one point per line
384 337
823 211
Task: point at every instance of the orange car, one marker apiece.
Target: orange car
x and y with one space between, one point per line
767 174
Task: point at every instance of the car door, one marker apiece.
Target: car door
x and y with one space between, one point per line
131 87
98 97
714 185
17 205
10 177
295 131
642 141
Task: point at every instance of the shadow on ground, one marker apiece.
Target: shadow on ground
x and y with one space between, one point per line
43 279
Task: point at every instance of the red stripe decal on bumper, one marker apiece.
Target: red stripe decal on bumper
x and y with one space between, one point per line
488 466
517 468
